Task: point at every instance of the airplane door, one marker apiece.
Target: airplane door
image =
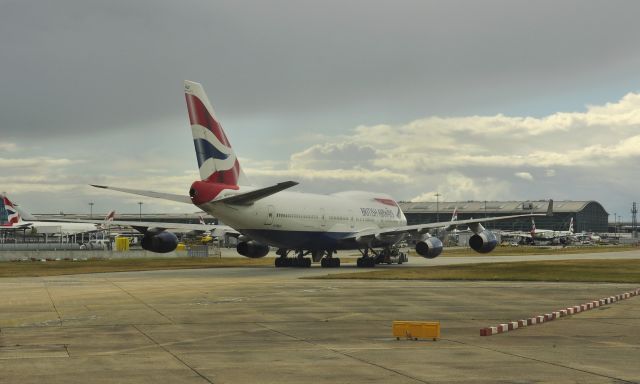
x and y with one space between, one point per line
270 215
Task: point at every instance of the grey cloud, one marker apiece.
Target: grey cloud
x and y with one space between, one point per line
335 156
74 66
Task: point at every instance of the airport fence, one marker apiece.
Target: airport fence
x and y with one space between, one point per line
39 247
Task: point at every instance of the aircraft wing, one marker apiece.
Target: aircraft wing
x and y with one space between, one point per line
156 195
216 230
424 228
22 225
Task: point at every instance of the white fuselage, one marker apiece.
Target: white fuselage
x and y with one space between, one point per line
296 220
57 227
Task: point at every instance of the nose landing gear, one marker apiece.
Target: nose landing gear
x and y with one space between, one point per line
388 255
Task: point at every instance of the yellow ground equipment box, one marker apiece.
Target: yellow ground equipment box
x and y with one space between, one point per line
416 329
181 247
122 244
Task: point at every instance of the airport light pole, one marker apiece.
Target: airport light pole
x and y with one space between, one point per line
634 220
437 207
91 210
140 212
485 210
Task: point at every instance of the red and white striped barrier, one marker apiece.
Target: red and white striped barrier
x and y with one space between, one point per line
510 326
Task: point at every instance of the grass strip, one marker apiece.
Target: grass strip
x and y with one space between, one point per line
64 267
610 271
534 250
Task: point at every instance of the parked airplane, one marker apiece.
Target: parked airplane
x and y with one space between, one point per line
304 223
14 217
543 234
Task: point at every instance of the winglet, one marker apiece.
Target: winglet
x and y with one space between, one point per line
550 208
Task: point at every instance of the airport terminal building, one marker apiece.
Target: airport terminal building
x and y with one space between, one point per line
588 216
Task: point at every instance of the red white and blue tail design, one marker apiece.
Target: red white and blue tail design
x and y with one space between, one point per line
9 215
216 159
533 228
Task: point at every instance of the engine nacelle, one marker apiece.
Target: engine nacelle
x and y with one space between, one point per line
429 247
252 249
159 242
483 242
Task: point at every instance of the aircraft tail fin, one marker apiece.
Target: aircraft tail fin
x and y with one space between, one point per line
217 161
110 216
571 225
108 219
533 227
9 214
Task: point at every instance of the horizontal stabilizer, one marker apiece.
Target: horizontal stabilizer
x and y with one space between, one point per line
249 197
156 195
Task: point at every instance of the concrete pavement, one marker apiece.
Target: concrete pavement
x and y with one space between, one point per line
265 325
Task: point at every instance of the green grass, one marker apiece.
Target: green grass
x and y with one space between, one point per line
63 267
614 271
529 250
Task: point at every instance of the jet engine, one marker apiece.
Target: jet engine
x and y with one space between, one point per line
159 241
252 249
429 247
483 242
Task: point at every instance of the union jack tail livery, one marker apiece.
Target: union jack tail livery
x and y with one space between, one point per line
9 215
108 219
533 228
110 216
216 159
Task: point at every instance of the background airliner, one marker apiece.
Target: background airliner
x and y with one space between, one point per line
547 235
14 217
302 223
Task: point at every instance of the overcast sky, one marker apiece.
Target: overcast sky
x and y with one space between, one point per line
471 99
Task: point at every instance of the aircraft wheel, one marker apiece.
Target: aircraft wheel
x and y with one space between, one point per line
368 262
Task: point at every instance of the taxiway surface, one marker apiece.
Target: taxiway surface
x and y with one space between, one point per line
266 325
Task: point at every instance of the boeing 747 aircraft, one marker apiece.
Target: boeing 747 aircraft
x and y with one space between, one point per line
305 224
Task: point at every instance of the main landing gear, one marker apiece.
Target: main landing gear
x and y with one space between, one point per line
388 255
324 257
299 261
328 261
